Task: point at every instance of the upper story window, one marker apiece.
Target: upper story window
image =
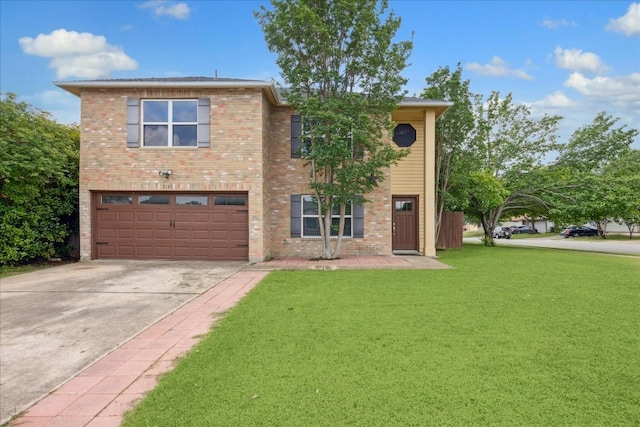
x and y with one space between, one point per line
170 123
302 129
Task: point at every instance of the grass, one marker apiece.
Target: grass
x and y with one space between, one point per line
533 236
9 270
511 336
623 237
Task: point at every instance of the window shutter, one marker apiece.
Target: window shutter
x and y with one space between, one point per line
358 220
203 122
296 131
133 123
296 215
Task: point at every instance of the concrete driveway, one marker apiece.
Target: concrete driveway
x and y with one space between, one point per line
57 321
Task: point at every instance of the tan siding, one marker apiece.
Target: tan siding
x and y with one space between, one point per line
407 177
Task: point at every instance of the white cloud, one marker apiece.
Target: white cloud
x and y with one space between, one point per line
629 24
577 60
78 54
498 68
622 92
551 24
167 8
555 100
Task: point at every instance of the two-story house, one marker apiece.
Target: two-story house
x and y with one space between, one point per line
204 168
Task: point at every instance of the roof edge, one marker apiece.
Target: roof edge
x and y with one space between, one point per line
75 88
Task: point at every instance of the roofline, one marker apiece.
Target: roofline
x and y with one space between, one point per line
75 88
425 103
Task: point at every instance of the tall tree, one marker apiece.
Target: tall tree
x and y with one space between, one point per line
342 68
507 143
38 182
453 137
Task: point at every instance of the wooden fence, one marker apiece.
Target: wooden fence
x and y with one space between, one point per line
451 229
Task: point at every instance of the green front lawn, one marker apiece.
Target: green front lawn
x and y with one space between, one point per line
511 336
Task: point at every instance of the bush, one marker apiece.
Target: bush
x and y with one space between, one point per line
38 182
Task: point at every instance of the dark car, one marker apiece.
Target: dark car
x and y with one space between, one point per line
522 229
577 231
502 232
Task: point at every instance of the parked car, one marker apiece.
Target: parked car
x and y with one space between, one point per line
522 229
577 231
502 232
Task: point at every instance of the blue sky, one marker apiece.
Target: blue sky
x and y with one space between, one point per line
572 58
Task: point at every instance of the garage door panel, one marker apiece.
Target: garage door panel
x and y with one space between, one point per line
144 216
105 216
201 217
125 233
219 218
201 252
171 231
219 235
182 234
125 250
164 234
163 217
164 251
106 233
144 234
126 216
106 251
200 234
238 236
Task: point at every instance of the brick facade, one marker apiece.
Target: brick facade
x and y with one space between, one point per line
233 162
249 152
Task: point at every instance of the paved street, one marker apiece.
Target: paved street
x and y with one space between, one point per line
577 244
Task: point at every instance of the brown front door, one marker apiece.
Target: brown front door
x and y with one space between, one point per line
405 223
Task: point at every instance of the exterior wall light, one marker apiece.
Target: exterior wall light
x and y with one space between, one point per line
165 174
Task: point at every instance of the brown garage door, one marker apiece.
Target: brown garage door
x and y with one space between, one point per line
175 226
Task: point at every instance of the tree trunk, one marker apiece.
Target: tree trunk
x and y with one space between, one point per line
488 230
343 212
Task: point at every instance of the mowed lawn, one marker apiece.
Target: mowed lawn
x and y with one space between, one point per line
510 336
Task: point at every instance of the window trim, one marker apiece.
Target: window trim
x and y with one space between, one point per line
170 123
135 125
350 216
295 221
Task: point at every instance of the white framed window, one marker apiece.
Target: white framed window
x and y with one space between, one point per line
170 122
309 218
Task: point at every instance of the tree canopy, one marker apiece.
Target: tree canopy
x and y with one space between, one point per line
507 144
600 175
342 71
453 138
